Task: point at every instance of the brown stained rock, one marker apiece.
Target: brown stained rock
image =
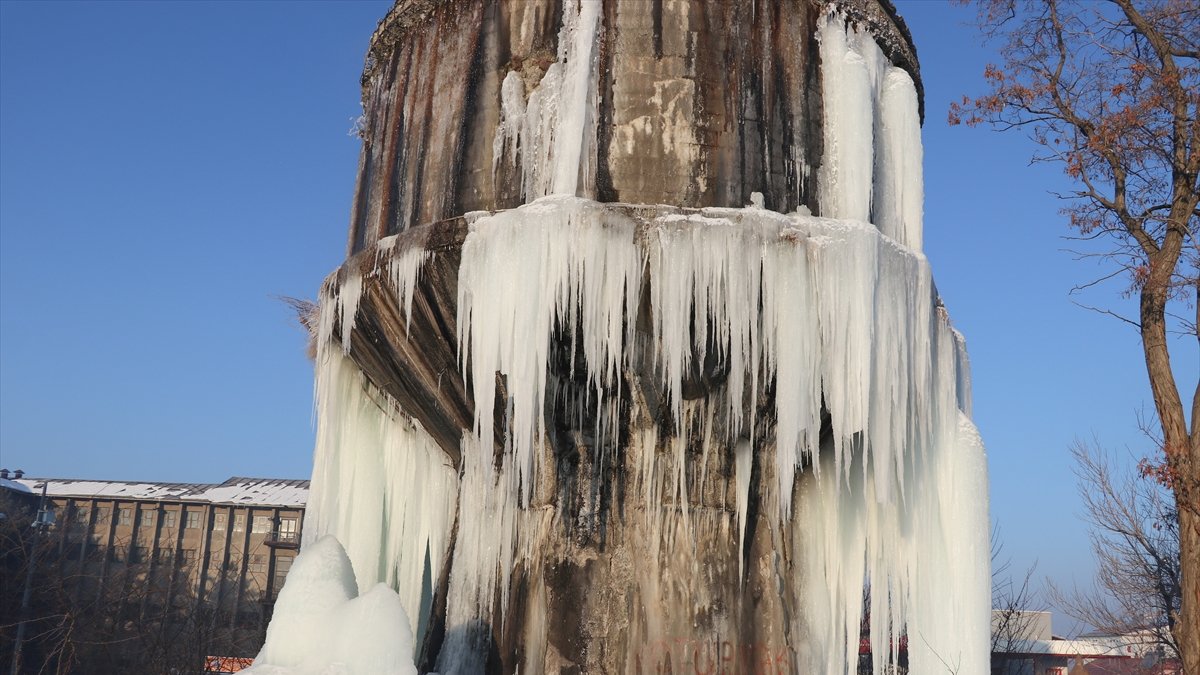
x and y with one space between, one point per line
700 103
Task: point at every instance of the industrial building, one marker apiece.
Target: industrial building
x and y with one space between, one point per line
219 551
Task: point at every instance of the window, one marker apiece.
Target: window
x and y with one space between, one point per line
193 520
239 522
218 557
101 514
287 529
81 515
125 516
165 556
118 554
137 554
258 563
189 556
282 565
168 518
262 524
219 522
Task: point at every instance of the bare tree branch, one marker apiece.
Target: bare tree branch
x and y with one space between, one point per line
1108 313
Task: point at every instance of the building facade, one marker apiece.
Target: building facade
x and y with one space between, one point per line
219 551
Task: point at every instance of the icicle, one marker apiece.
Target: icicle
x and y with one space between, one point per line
875 177
555 129
483 560
950 606
507 142
575 132
707 272
402 272
347 306
792 349
380 484
899 191
339 305
846 274
847 317
559 262
844 182
962 368
744 458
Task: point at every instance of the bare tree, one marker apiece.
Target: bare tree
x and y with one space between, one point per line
1015 604
1135 540
127 619
1110 91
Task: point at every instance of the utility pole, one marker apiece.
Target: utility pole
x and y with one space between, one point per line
38 525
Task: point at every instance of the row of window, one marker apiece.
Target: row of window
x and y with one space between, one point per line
260 525
136 554
192 520
255 562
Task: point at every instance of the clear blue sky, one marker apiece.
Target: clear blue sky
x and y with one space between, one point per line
167 169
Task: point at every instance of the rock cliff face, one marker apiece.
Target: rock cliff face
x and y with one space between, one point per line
598 330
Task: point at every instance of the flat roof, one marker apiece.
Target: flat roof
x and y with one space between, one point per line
236 491
1093 649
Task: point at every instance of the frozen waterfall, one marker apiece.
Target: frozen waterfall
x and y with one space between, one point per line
748 379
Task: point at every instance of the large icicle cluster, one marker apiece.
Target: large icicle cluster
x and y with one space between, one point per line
380 484
873 177
823 310
926 560
559 261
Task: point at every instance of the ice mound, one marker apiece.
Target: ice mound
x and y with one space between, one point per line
322 626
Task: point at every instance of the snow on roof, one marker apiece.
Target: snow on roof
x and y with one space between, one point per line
236 490
14 486
1078 647
273 491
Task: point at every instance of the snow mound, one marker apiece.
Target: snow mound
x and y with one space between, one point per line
322 626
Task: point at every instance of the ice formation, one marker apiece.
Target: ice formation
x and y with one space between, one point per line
820 309
873 177
823 310
380 484
555 129
836 315
322 626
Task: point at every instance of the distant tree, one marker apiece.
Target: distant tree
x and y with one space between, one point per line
1135 540
1014 607
1110 90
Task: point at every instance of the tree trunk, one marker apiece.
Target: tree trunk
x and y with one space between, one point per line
1180 450
1187 625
